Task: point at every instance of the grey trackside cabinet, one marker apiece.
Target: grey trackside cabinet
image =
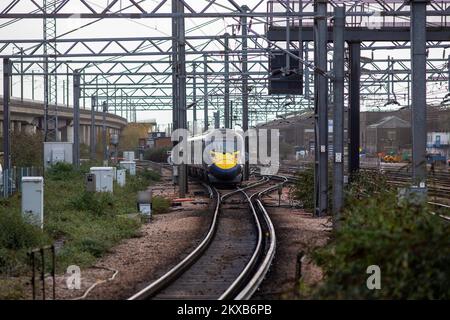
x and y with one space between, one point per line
33 199
144 203
55 152
128 155
121 177
130 166
90 182
103 178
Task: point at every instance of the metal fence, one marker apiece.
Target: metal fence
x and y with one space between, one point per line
11 179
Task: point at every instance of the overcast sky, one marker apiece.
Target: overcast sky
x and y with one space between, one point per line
110 28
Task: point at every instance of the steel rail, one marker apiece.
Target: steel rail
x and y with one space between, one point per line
177 270
440 205
258 276
241 287
232 290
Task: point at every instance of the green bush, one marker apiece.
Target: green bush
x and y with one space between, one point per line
141 180
157 155
27 149
61 171
17 236
366 184
17 232
99 204
150 175
160 205
11 289
411 247
303 190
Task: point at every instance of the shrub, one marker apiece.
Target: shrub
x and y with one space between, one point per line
93 246
96 203
27 149
16 231
411 247
157 155
368 183
150 175
61 171
11 289
17 236
160 205
141 180
303 189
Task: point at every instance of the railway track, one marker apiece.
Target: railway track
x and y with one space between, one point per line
234 256
438 183
438 186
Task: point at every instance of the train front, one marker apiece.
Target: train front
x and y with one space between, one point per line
225 162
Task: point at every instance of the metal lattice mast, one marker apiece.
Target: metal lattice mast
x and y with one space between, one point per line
50 84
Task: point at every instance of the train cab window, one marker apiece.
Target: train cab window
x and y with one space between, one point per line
225 146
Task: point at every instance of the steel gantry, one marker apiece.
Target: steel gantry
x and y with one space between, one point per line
227 46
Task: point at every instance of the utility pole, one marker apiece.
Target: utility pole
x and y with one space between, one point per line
227 81
21 74
205 92
419 92
321 109
67 85
180 94
32 85
338 114
354 110
50 108
194 99
93 135
245 89
105 143
7 71
76 118
231 114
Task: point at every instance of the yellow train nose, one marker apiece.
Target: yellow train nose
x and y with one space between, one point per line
224 161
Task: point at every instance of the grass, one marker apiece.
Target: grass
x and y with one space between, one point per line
88 224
